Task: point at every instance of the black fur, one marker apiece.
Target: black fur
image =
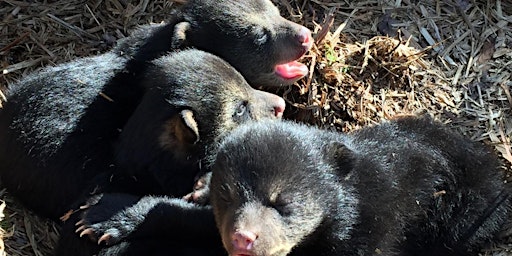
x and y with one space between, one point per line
96 124
45 115
405 187
57 131
158 151
149 225
250 35
59 139
59 125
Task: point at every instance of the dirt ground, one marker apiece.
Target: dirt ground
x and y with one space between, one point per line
372 60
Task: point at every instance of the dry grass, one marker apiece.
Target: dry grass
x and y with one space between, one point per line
452 59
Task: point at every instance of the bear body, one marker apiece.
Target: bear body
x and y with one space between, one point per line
59 126
404 187
192 99
68 140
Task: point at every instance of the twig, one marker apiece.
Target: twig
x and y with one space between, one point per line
78 31
15 42
507 92
20 65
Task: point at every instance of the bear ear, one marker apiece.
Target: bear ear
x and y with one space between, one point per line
341 156
186 129
180 132
179 38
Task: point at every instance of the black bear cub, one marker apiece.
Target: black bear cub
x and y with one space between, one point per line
192 100
404 187
64 142
251 35
59 126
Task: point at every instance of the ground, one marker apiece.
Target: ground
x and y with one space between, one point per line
372 60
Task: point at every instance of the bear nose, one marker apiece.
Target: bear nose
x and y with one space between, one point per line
305 37
244 239
279 107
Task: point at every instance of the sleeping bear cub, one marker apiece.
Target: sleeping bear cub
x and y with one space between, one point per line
405 187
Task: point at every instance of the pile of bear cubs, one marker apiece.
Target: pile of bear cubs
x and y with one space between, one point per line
161 146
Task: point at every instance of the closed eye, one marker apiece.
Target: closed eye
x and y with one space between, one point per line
261 39
240 113
282 205
225 194
261 36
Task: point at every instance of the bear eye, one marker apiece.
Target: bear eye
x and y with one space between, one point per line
241 109
225 198
261 36
281 204
261 39
225 194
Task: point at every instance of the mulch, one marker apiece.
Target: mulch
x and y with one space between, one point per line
372 60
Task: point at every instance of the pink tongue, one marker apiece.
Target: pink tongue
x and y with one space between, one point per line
291 70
